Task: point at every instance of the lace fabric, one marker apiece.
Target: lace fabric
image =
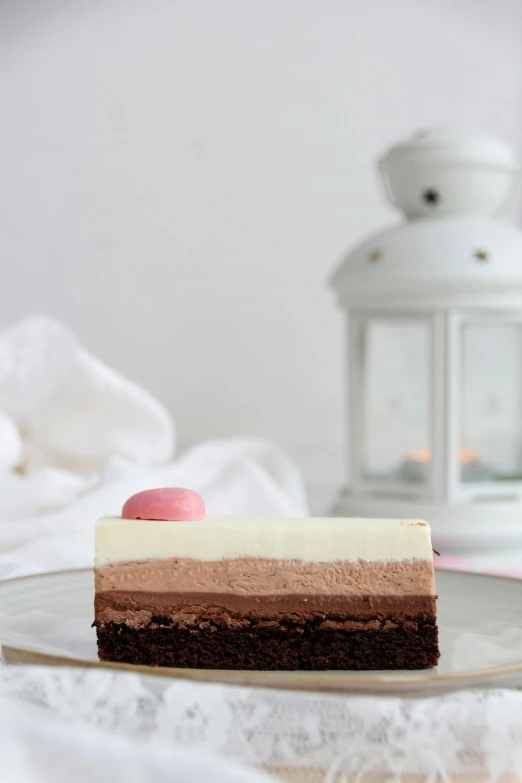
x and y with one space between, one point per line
294 736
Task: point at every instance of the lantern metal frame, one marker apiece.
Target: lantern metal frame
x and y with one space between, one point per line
444 482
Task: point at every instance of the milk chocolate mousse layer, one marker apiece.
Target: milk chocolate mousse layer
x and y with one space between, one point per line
262 576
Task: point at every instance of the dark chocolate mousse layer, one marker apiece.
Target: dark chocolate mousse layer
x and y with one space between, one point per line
138 608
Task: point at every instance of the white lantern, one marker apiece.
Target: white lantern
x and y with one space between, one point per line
434 331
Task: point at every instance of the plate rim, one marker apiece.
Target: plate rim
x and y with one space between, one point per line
319 681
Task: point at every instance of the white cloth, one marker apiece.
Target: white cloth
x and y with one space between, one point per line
317 737
77 439
36 747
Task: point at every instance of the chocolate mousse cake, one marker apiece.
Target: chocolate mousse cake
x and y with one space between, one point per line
177 588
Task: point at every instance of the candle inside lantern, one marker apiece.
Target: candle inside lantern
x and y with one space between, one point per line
415 465
423 456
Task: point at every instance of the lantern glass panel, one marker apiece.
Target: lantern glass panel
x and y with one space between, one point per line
491 402
395 400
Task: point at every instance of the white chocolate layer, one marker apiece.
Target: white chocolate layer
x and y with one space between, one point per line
311 539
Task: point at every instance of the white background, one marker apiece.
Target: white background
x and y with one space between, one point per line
179 179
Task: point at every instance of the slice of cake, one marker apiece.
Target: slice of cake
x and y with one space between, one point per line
176 588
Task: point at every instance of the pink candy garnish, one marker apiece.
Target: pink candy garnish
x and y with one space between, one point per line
170 504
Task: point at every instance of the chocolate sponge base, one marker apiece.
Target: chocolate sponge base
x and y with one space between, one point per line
312 645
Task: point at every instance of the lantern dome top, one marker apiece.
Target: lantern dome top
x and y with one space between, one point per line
446 263
449 171
447 143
